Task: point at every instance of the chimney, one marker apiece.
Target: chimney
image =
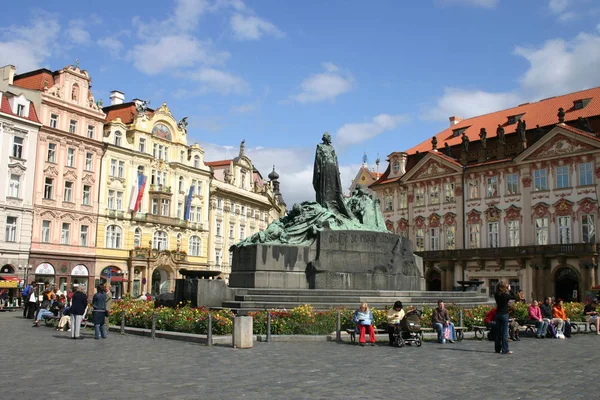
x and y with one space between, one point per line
116 97
454 120
7 74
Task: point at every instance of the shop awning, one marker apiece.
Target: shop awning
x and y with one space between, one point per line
116 278
9 281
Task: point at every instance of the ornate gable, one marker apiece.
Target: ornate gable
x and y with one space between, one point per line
449 218
70 174
420 222
402 224
389 225
16 168
513 213
563 207
492 214
51 170
541 209
474 217
434 220
431 168
587 206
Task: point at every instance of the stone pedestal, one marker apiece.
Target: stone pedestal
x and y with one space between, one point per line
242 332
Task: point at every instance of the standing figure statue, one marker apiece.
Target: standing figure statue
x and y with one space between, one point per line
521 129
500 134
465 143
326 179
483 137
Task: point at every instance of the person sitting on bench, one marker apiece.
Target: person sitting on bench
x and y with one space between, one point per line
363 318
548 315
441 323
591 315
394 316
535 318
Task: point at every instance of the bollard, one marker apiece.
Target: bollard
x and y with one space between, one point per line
243 333
153 331
268 326
338 327
460 318
209 330
123 323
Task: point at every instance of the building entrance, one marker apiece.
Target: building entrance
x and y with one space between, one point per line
566 285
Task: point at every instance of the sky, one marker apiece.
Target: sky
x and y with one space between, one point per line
379 76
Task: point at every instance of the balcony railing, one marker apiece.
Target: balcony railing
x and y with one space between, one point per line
160 188
579 249
147 253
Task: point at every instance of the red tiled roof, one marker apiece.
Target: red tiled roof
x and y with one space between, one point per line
125 111
5 108
542 113
219 163
35 79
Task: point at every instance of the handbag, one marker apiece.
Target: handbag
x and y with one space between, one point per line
446 332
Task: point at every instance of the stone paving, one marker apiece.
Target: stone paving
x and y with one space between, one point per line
41 362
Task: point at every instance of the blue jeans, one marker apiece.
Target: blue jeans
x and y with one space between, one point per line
501 343
440 329
542 327
99 330
43 312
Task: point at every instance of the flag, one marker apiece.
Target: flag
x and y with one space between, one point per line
139 192
188 204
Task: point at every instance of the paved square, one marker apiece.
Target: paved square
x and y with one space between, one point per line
40 362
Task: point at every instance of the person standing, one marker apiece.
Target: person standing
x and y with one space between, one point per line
441 323
502 297
78 310
99 312
108 306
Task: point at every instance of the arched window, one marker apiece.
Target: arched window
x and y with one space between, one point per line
181 183
137 238
118 137
194 249
159 240
196 161
113 237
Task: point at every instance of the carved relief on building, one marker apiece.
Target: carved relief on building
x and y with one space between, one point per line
420 222
526 181
458 191
449 219
560 145
492 214
513 213
563 207
587 206
474 217
402 224
50 170
70 174
88 178
16 168
434 220
540 210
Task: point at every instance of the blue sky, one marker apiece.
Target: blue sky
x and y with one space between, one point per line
379 76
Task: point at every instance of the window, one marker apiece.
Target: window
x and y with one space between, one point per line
419 197
159 240
180 210
118 137
70 157
137 238
119 201
402 203
113 237
72 126
562 177
492 186
474 236
83 235
512 183
218 230
242 233
182 156
180 184
68 193
539 180
160 151
449 193
196 161
473 189
434 239
541 231
53 121
389 202
513 233
564 230
450 238
155 206
218 257
90 131
142 145
87 189
45 231
585 174
199 214
66 233
51 152
588 228
17 150
164 207
20 110
13 186
11 229
493 234
420 239
111 200
88 161
231 230
434 194
113 168
194 247
48 188
166 153
220 204
121 169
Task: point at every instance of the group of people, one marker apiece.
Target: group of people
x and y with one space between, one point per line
70 310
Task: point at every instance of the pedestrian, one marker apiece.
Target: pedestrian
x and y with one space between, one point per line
3 298
99 313
26 293
502 296
78 310
108 306
31 305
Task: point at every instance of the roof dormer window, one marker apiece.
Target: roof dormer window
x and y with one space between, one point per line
513 119
20 110
458 132
579 104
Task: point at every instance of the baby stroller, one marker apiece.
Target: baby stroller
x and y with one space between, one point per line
409 329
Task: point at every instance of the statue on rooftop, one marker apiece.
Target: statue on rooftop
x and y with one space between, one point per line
434 143
447 149
561 115
465 142
500 134
584 125
183 124
521 130
483 137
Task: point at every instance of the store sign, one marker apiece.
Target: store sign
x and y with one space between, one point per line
80 270
44 269
9 284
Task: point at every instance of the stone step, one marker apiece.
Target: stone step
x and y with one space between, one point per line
254 306
361 293
309 299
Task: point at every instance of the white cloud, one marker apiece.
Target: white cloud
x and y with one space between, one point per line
475 3
324 86
77 33
112 45
187 13
171 52
469 103
558 6
214 80
28 47
248 27
244 108
355 133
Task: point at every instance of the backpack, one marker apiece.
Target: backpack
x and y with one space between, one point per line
551 333
27 291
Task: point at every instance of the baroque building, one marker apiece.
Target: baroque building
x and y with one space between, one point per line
69 150
242 203
153 200
19 127
511 195
365 177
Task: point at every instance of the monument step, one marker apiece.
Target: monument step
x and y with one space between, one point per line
361 293
307 299
254 306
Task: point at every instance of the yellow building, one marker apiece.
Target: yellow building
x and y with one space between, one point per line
147 229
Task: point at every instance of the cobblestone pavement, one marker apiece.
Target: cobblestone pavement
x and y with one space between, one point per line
41 362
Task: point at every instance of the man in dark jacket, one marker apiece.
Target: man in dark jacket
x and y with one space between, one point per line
548 315
441 322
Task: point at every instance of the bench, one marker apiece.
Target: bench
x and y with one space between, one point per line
587 327
352 333
480 331
460 335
